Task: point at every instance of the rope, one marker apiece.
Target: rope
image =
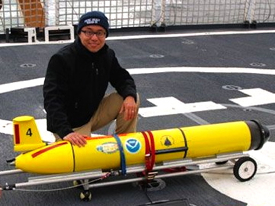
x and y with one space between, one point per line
122 156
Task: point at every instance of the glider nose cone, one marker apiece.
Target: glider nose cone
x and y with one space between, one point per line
264 134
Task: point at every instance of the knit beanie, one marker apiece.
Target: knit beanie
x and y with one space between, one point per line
93 18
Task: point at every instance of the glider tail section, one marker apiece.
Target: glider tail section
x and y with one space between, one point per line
26 136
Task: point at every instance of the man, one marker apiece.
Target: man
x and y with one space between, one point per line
76 80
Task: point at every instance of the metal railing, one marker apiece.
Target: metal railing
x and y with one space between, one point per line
135 13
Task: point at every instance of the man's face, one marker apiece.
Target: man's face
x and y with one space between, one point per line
92 37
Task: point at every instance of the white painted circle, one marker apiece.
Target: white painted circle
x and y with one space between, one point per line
187 41
28 65
258 64
156 56
231 87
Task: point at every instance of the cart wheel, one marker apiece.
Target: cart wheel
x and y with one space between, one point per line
86 196
245 169
78 184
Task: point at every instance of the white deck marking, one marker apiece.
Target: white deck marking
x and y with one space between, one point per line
255 192
257 97
9 87
155 36
171 105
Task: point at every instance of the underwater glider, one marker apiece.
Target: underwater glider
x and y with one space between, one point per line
148 152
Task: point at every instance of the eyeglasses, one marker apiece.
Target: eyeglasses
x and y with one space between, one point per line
99 34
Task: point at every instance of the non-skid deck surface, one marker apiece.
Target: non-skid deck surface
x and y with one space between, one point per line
222 77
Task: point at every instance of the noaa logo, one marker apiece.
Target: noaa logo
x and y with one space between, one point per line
133 145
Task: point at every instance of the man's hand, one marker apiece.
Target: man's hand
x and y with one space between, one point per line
76 139
129 107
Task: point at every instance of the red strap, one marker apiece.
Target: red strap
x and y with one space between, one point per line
153 150
149 151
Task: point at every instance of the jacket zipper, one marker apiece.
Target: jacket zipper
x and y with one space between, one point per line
96 77
96 69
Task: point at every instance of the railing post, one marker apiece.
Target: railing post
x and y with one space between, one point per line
250 11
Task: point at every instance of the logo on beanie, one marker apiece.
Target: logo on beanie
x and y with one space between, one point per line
92 21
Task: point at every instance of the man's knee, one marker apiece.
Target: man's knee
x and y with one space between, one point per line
57 138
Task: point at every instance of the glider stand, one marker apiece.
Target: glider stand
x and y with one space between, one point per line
244 168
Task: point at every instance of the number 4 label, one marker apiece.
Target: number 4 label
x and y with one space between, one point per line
29 132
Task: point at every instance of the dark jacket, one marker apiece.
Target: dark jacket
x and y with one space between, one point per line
75 83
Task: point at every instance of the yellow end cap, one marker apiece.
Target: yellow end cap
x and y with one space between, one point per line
23 118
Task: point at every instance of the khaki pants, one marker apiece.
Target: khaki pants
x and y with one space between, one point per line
108 111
